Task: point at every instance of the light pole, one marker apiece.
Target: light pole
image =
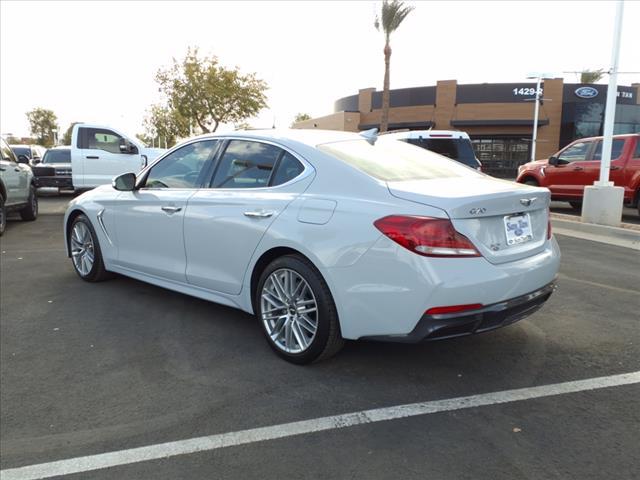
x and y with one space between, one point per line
602 201
536 111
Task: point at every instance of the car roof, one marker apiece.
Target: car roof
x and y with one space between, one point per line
309 137
61 147
622 135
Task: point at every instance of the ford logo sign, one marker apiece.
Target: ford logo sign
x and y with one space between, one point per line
586 92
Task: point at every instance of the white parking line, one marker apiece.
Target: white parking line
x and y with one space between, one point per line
243 437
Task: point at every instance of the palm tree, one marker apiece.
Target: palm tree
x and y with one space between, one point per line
393 14
591 76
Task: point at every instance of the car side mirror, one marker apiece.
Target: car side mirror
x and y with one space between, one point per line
125 148
125 182
23 159
36 161
553 160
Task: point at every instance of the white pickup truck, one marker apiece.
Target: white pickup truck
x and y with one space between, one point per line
99 153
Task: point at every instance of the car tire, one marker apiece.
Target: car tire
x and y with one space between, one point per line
531 182
83 245
3 216
30 211
293 329
576 205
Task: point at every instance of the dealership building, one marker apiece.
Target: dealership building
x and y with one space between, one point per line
497 116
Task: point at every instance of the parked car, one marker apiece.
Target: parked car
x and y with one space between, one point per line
567 172
17 187
99 153
55 169
33 152
324 236
450 143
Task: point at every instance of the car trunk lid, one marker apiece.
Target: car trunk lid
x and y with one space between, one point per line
485 209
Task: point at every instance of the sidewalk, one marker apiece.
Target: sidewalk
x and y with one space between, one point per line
627 235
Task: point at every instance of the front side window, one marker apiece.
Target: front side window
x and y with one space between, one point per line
57 156
246 164
100 139
575 153
182 168
392 161
616 150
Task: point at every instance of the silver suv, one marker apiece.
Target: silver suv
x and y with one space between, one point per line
17 187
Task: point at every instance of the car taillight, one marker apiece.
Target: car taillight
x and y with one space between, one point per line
548 224
431 237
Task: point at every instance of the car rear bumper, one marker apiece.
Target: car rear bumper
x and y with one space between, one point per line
490 317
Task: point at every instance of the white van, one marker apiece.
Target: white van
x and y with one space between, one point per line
450 143
99 153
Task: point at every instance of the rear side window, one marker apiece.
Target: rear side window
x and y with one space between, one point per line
246 164
288 169
57 156
616 150
391 161
459 149
636 154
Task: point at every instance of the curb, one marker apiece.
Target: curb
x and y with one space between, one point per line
627 236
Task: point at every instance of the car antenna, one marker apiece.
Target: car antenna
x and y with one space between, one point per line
370 135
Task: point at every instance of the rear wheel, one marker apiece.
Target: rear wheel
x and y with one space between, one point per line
85 250
3 215
296 311
30 211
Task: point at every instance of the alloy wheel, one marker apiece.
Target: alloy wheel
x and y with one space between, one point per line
82 248
289 311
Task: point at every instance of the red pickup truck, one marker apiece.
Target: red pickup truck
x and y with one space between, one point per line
578 164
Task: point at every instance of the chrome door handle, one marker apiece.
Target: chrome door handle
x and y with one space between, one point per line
92 157
171 209
259 213
16 169
2 169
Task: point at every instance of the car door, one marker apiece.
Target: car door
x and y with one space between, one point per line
102 158
567 177
616 170
149 220
253 183
13 177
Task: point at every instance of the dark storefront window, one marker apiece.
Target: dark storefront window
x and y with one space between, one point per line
501 156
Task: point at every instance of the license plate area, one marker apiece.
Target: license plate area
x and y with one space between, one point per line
518 229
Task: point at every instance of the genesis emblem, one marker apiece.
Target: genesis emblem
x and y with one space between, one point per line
477 211
527 201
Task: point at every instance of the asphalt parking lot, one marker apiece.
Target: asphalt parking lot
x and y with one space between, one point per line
94 368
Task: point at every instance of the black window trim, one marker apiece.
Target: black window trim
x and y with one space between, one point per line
227 139
202 177
599 141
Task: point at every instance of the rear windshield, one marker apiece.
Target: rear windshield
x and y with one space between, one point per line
392 161
459 149
57 156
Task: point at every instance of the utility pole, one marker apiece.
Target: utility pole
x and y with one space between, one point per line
602 203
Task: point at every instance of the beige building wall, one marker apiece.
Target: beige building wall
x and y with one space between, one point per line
344 121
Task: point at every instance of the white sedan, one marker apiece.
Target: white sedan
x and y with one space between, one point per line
325 236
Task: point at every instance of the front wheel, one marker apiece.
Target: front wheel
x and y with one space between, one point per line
30 211
297 312
86 255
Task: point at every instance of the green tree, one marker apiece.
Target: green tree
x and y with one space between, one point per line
202 90
66 138
591 76
165 124
42 123
301 117
393 14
